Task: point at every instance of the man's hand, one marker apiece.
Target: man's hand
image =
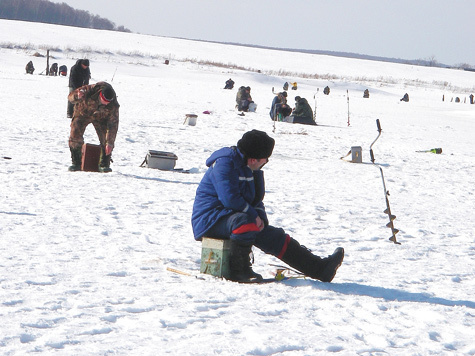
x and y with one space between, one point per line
259 223
80 94
109 151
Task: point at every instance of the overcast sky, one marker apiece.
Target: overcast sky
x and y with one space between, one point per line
406 29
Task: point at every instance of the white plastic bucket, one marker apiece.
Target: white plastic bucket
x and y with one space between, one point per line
252 107
191 119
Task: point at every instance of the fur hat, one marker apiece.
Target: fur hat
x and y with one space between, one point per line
256 144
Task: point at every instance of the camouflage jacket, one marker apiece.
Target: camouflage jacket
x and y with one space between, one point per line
90 110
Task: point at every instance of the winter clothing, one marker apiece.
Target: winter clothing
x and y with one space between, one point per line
279 106
78 77
53 71
240 266
302 108
228 186
29 68
405 98
104 161
89 109
303 113
63 70
76 158
229 84
301 259
243 98
256 144
228 202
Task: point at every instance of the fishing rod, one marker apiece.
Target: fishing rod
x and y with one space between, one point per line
315 111
387 211
348 101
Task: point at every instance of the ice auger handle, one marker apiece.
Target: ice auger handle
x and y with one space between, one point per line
379 125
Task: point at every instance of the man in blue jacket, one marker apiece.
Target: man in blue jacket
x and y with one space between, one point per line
228 205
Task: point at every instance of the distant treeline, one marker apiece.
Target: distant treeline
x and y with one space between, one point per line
59 14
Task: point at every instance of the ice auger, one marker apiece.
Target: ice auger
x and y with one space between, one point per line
394 231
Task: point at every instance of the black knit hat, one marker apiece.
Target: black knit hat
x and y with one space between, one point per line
256 144
108 92
85 62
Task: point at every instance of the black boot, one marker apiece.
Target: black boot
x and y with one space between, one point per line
240 264
104 162
76 158
323 269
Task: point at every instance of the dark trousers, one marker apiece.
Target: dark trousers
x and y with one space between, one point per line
70 106
240 228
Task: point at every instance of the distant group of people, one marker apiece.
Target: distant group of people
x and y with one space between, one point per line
52 71
95 103
302 113
281 111
229 199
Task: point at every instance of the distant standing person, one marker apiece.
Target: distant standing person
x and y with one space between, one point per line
78 76
96 104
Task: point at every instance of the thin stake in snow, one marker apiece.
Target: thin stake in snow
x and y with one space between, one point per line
348 101
114 74
315 110
394 231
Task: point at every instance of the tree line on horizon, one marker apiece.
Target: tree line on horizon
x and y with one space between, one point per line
45 11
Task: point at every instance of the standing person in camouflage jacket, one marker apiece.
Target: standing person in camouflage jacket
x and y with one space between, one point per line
96 104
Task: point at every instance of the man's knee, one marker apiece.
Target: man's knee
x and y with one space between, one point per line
243 229
272 240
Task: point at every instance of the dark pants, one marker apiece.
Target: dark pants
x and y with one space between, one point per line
78 127
70 106
240 228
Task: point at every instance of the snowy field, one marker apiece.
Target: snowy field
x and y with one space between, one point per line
84 256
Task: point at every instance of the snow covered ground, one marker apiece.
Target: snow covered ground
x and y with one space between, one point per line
83 256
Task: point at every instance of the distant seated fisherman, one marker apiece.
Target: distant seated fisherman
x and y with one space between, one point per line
243 98
279 108
229 84
29 68
302 113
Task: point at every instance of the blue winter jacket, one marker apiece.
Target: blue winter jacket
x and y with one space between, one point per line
228 186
